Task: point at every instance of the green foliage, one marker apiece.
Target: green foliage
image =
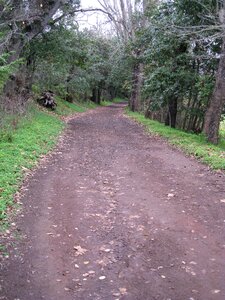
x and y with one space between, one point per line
192 144
179 64
73 63
7 68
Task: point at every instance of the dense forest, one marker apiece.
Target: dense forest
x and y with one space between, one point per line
165 57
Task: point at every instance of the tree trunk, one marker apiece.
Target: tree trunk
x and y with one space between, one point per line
171 117
134 102
99 92
214 111
18 86
69 96
17 89
96 95
187 111
112 93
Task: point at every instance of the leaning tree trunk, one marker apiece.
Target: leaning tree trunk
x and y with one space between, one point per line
214 111
137 80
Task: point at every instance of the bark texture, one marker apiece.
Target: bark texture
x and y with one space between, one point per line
96 95
213 114
137 80
172 113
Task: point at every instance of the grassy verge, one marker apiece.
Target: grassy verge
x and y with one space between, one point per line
196 145
23 140
65 108
119 100
115 100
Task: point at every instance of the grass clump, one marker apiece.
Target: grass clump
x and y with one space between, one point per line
212 155
34 136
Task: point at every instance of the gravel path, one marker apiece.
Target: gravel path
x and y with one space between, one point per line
117 214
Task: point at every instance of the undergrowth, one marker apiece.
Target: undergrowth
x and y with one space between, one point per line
192 144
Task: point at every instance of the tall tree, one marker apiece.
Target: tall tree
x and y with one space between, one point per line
217 101
210 16
128 17
22 22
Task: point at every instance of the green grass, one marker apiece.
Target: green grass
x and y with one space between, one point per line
192 144
23 140
65 108
33 137
118 100
106 103
115 100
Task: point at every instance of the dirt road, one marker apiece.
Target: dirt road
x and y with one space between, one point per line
117 214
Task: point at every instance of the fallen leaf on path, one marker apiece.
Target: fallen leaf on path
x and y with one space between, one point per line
79 250
215 291
134 217
103 248
107 250
102 277
104 262
91 272
123 291
116 294
170 195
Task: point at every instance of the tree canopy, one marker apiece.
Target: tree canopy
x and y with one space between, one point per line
165 57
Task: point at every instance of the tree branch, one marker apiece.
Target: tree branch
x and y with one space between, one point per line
81 10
